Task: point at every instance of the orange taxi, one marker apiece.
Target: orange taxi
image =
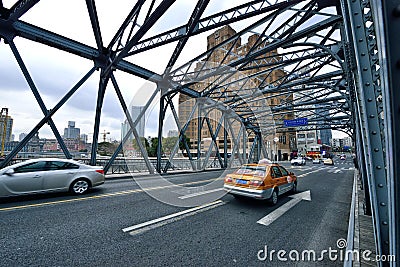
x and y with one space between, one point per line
261 181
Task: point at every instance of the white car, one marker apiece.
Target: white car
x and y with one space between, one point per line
49 175
316 161
298 161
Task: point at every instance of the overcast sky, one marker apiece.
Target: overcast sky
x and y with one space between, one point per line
55 72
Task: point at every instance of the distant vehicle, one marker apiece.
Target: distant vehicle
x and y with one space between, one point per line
49 175
316 161
298 161
328 161
261 181
343 157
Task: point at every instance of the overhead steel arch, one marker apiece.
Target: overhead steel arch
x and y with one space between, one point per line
128 41
332 61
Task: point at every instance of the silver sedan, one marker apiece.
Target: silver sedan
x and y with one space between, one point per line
49 175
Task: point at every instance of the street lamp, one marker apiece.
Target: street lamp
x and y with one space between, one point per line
276 139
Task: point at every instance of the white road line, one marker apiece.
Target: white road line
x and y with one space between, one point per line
333 169
200 193
174 215
304 174
271 217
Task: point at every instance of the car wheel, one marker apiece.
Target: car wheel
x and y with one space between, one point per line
294 188
274 198
79 186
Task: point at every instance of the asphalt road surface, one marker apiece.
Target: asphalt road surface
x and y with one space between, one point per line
119 224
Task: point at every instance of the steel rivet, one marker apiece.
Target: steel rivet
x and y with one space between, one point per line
383 204
384 223
363 54
379 167
380 185
360 40
374 132
365 69
372 116
376 149
367 84
369 99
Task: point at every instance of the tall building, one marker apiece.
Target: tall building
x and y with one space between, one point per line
324 134
71 132
341 143
307 141
140 127
172 133
239 81
8 121
84 138
22 136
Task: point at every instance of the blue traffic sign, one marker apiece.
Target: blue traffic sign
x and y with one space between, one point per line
295 122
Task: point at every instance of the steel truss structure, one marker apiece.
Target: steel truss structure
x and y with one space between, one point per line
337 62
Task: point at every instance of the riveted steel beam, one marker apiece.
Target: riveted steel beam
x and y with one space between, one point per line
368 92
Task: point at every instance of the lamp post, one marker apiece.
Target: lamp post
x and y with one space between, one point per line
276 139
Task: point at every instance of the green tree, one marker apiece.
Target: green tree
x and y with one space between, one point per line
106 148
152 151
182 144
144 142
168 144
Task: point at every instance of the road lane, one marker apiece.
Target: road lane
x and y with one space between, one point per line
181 186
89 232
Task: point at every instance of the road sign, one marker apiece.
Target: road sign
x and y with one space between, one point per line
295 122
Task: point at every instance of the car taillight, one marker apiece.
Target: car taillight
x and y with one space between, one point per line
256 183
100 171
228 179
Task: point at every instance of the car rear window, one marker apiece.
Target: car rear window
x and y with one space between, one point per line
252 170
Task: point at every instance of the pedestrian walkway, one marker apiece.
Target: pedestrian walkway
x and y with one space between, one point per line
364 232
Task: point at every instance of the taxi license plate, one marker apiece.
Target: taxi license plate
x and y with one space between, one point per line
239 181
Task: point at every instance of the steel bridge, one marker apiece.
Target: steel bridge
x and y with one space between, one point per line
336 56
